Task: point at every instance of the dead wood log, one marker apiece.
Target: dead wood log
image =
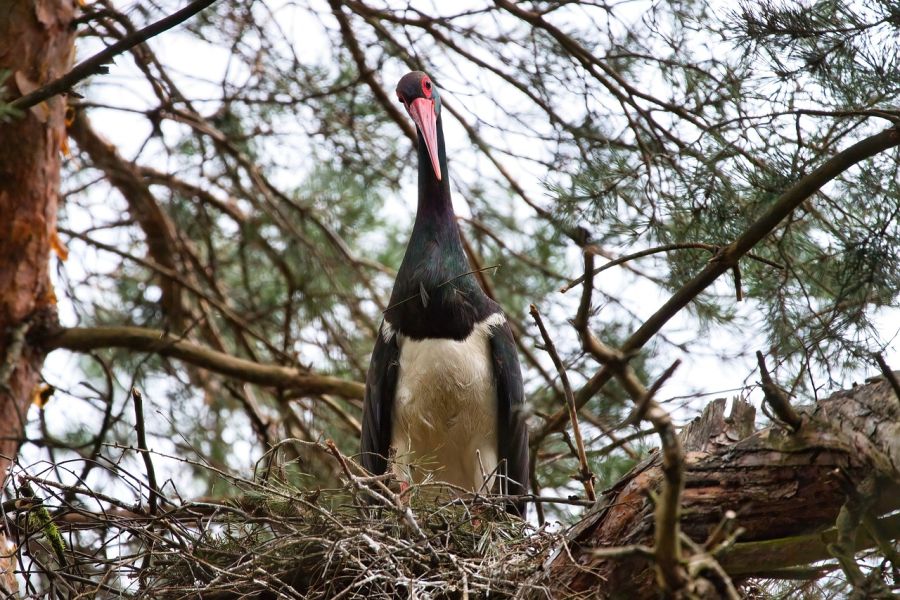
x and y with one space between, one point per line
782 486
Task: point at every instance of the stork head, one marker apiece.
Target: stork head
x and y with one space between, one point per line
420 97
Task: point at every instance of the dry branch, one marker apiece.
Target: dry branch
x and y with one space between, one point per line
585 475
776 397
84 339
671 574
94 64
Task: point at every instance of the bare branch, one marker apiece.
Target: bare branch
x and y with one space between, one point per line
94 64
138 399
367 74
776 397
83 339
712 248
889 374
586 476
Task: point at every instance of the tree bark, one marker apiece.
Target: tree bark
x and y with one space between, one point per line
782 485
36 45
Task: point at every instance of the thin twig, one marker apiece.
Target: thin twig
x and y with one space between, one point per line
386 494
95 63
738 292
640 410
581 325
585 474
138 399
722 531
776 397
667 538
712 248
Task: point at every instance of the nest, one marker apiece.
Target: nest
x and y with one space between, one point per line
275 540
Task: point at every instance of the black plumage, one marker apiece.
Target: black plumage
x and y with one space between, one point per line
435 298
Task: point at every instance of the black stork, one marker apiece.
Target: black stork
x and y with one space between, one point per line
444 387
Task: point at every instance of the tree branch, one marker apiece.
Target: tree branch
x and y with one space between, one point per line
95 63
750 559
729 256
776 397
585 474
366 74
84 339
656 250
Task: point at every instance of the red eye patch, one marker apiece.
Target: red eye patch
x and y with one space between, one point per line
426 87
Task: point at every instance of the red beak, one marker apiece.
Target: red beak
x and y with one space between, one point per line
422 112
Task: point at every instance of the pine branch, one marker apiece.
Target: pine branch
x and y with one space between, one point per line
85 339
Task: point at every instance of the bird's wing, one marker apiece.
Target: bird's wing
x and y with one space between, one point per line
381 382
512 430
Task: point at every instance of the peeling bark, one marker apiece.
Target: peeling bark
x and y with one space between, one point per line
36 45
780 484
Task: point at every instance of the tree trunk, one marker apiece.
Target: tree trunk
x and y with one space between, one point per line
36 46
780 484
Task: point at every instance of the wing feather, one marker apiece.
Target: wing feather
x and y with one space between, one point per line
381 383
512 428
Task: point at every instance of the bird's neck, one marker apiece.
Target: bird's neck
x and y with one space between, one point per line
435 295
435 204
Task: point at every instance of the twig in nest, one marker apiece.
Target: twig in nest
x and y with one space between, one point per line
145 451
386 496
585 474
775 396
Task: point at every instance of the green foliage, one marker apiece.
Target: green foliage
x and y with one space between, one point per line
787 86
7 112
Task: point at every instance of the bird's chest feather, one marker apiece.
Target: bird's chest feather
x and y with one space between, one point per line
445 407
444 385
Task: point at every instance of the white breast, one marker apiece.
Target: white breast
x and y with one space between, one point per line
445 409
